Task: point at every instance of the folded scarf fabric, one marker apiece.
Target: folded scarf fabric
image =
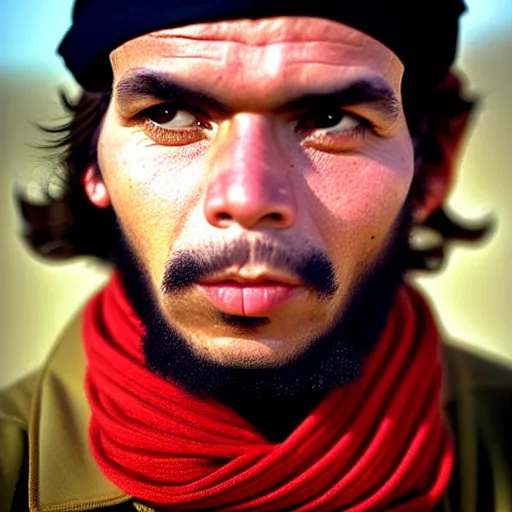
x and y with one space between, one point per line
376 444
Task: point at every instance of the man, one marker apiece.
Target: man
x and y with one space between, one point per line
253 172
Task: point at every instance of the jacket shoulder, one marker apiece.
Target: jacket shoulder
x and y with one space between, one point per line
481 371
15 406
479 405
16 400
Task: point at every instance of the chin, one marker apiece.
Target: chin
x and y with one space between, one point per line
250 352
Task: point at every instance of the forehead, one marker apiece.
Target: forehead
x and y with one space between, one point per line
282 53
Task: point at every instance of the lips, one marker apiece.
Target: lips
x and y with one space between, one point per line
249 297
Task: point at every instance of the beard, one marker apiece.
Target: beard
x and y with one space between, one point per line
332 359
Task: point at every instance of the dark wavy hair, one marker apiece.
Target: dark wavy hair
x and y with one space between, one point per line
70 225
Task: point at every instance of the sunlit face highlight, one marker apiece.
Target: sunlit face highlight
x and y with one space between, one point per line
287 131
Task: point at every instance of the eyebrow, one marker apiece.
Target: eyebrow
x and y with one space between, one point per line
375 93
152 84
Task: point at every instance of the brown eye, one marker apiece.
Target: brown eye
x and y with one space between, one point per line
169 116
174 125
329 121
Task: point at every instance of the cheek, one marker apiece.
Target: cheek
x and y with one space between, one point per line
358 200
151 189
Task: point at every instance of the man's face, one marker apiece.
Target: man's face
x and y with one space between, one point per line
257 169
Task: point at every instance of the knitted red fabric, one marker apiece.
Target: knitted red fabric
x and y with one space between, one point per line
376 444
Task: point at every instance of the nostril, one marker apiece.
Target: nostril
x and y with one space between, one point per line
277 217
223 216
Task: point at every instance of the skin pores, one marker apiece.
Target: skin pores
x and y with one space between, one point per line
284 130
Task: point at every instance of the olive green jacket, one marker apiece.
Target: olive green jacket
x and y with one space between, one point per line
44 420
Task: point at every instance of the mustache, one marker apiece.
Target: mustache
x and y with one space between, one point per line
312 266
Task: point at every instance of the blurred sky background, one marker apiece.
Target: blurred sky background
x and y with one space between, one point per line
472 295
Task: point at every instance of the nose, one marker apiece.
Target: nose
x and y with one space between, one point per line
250 180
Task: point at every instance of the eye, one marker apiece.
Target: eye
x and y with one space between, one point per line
174 118
330 121
175 125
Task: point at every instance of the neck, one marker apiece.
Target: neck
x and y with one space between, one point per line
275 417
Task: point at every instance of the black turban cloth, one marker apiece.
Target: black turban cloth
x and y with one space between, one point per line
422 33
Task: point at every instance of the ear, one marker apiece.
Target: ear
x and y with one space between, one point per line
439 146
95 188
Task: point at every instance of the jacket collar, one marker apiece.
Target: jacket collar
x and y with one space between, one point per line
63 475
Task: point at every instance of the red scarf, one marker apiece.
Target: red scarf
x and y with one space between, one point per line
378 443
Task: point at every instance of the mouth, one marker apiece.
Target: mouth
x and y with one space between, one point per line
256 296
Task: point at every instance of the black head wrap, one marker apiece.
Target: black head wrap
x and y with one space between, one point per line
422 33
